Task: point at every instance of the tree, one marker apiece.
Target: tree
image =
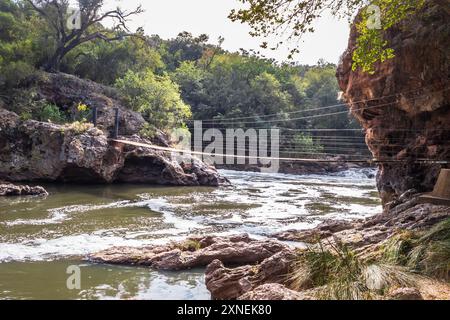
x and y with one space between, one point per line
105 62
157 98
17 54
54 12
293 18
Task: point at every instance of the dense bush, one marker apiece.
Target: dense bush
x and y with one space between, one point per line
51 113
157 98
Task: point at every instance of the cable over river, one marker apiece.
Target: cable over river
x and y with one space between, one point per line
41 237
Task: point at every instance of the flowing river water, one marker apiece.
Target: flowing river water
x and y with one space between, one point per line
41 237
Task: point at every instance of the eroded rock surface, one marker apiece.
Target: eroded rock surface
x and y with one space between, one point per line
362 234
9 189
194 252
405 294
274 292
405 106
38 151
230 283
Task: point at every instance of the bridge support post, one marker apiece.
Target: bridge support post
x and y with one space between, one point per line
116 123
441 193
94 116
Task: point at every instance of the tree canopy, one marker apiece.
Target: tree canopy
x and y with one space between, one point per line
293 18
84 25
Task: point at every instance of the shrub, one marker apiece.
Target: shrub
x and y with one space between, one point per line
189 245
51 113
157 98
12 74
304 143
148 131
78 127
431 253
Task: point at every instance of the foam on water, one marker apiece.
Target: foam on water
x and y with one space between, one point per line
258 204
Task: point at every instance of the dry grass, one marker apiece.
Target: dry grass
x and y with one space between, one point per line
427 253
339 274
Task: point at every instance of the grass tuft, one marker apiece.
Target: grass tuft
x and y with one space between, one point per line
339 274
427 252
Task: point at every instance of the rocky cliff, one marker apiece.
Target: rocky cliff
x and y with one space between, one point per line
405 106
36 151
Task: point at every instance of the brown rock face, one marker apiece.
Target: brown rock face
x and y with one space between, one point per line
37 151
66 91
195 252
274 292
228 284
405 294
9 189
406 103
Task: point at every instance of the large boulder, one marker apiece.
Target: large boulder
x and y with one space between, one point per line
192 253
9 189
230 283
274 292
66 91
405 105
38 151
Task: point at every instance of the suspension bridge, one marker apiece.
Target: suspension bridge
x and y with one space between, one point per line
334 144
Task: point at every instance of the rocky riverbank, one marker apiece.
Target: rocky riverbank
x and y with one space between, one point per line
238 267
32 151
9 189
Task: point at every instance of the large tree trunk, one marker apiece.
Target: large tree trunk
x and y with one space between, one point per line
54 63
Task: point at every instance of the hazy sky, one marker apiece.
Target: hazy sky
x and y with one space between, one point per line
169 17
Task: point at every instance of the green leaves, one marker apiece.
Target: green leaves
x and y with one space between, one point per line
290 19
157 98
371 47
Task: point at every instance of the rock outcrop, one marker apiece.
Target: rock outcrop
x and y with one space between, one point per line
366 235
230 283
405 294
192 253
405 106
274 292
67 91
9 189
37 151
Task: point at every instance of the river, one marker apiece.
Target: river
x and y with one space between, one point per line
41 237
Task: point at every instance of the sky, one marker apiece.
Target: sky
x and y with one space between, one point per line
167 18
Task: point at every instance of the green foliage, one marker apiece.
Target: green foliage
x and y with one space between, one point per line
397 249
16 44
339 273
431 254
370 44
189 245
274 17
51 113
304 143
14 73
185 47
157 98
424 252
105 62
165 79
148 131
